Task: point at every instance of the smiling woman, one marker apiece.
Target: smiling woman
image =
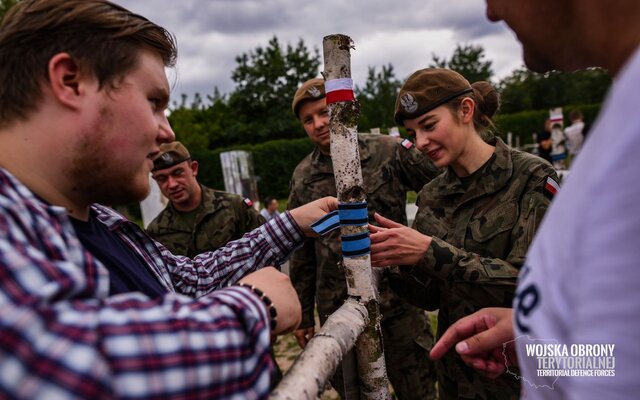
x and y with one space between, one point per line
475 221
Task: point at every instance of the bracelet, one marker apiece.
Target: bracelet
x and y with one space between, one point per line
273 314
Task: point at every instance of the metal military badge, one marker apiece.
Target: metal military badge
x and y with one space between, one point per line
409 103
314 91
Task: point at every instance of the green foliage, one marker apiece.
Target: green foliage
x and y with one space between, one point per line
266 80
468 61
274 162
377 99
524 123
527 90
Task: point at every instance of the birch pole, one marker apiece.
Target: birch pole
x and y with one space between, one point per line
307 377
345 156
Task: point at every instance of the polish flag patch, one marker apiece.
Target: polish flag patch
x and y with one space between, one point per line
248 202
551 186
407 144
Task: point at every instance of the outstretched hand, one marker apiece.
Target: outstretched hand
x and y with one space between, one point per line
395 244
311 212
479 338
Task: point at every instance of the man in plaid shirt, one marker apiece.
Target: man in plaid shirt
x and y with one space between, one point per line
90 306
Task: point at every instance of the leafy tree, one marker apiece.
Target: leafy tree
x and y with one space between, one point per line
377 98
266 80
468 61
527 90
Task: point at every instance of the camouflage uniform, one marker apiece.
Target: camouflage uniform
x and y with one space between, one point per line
480 237
389 171
222 217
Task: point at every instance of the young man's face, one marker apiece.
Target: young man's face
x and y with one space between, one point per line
122 129
315 119
178 183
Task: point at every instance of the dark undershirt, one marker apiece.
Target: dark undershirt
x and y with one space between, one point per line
127 272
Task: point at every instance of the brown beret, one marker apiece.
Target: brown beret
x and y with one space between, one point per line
313 89
427 89
170 154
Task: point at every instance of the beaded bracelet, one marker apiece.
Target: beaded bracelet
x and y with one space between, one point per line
273 314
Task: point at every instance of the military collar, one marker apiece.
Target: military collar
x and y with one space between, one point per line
496 174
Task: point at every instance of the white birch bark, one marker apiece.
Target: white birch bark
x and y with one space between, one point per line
345 157
307 377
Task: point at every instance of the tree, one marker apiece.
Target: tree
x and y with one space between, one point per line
468 61
266 80
527 90
378 98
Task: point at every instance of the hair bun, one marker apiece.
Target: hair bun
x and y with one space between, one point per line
487 98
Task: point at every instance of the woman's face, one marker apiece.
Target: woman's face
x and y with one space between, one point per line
439 135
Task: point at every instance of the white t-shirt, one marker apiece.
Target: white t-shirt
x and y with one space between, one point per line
574 137
581 282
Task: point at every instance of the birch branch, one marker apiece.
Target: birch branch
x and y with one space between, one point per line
316 364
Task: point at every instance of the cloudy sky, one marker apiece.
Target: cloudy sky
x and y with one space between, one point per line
405 33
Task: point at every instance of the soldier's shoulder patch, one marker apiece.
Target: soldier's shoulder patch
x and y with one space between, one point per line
551 187
406 143
247 201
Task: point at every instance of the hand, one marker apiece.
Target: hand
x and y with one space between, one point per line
480 338
395 244
278 288
311 212
303 336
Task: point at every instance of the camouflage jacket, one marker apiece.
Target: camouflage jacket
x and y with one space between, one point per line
223 217
480 236
389 170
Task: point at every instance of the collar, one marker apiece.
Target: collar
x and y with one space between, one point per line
496 174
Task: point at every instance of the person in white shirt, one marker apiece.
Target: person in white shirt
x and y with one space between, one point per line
580 284
574 134
270 209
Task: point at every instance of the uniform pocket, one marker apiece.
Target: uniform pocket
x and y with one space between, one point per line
490 224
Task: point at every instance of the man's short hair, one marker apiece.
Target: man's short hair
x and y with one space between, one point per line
104 39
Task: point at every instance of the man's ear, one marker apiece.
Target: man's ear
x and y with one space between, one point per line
66 81
194 167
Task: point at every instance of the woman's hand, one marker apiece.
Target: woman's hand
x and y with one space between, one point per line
395 244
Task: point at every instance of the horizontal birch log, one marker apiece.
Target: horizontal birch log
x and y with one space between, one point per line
307 377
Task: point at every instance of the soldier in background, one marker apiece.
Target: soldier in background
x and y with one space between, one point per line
197 218
390 168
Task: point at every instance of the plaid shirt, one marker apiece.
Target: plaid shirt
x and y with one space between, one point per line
62 336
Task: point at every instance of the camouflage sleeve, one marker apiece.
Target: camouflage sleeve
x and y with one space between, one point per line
250 217
414 168
446 262
302 271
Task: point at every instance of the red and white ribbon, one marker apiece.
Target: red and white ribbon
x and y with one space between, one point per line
339 90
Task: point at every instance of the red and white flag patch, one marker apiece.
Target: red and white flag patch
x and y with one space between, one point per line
248 202
407 144
551 186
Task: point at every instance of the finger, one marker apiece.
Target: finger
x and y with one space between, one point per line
462 329
386 222
376 229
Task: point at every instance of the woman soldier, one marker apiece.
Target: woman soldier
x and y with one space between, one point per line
475 221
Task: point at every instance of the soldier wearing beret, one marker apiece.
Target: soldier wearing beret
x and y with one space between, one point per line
197 218
475 222
390 168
